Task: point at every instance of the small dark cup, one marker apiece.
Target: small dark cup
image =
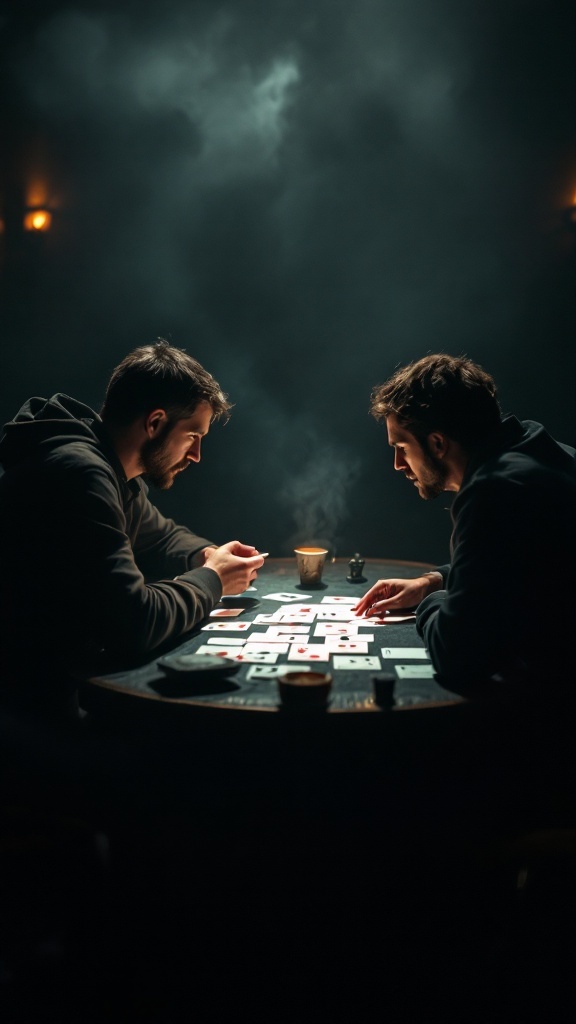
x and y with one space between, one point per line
304 690
383 689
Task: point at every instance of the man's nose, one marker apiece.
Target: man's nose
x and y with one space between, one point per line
193 453
399 460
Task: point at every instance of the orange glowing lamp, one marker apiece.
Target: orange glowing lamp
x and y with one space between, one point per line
37 220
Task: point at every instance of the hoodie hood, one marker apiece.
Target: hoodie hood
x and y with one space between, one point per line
47 423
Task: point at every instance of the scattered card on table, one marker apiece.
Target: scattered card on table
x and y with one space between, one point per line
284 627
226 613
356 661
278 638
414 671
231 641
219 650
266 617
230 627
250 647
297 609
273 671
268 657
333 613
299 619
309 652
337 629
340 600
285 597
338 645
405 652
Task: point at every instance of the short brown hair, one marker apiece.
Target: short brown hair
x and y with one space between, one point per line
450 394
160 376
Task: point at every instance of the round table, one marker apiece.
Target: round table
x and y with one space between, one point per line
351 692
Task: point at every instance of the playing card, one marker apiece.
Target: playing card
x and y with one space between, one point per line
285 597
414 671
239 654
231 641
309 652
226 613
218 650
228 626
297 609
271 617
327 612
340 646
298 619
256 672
357 661
404 652
277 638
241 594
285 627
251 648
337 629
340 600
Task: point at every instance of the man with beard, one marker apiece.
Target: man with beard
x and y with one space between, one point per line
503 610
91 573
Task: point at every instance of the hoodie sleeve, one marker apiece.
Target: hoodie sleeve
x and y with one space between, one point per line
162 548
98 569
481 585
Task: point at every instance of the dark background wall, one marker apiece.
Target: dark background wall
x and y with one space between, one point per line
302 194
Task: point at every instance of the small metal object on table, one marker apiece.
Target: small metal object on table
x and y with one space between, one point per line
352 692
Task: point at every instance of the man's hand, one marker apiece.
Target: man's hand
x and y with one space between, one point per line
391 594
236 564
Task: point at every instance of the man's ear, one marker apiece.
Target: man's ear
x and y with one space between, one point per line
154 422
438 444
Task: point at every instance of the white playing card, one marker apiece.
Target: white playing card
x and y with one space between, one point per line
356 661
229 627
340 600
298 609
277 638
251 648
309 652
340 646
231 641
299 619
268 657
336 630
262 618
272 671
219 650
333 613
414 671
404 652
363 621
285 597
283 628
230 596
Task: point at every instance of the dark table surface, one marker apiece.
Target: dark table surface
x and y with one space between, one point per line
351 691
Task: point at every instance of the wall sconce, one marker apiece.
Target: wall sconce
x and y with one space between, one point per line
39 219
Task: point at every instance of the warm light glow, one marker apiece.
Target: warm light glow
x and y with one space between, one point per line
38 220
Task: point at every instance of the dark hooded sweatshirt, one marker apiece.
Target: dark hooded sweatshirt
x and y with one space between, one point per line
87 562
508 609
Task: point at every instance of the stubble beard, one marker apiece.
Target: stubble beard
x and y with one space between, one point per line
155 459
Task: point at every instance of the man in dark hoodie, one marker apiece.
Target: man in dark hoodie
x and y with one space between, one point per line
91 573
504 608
